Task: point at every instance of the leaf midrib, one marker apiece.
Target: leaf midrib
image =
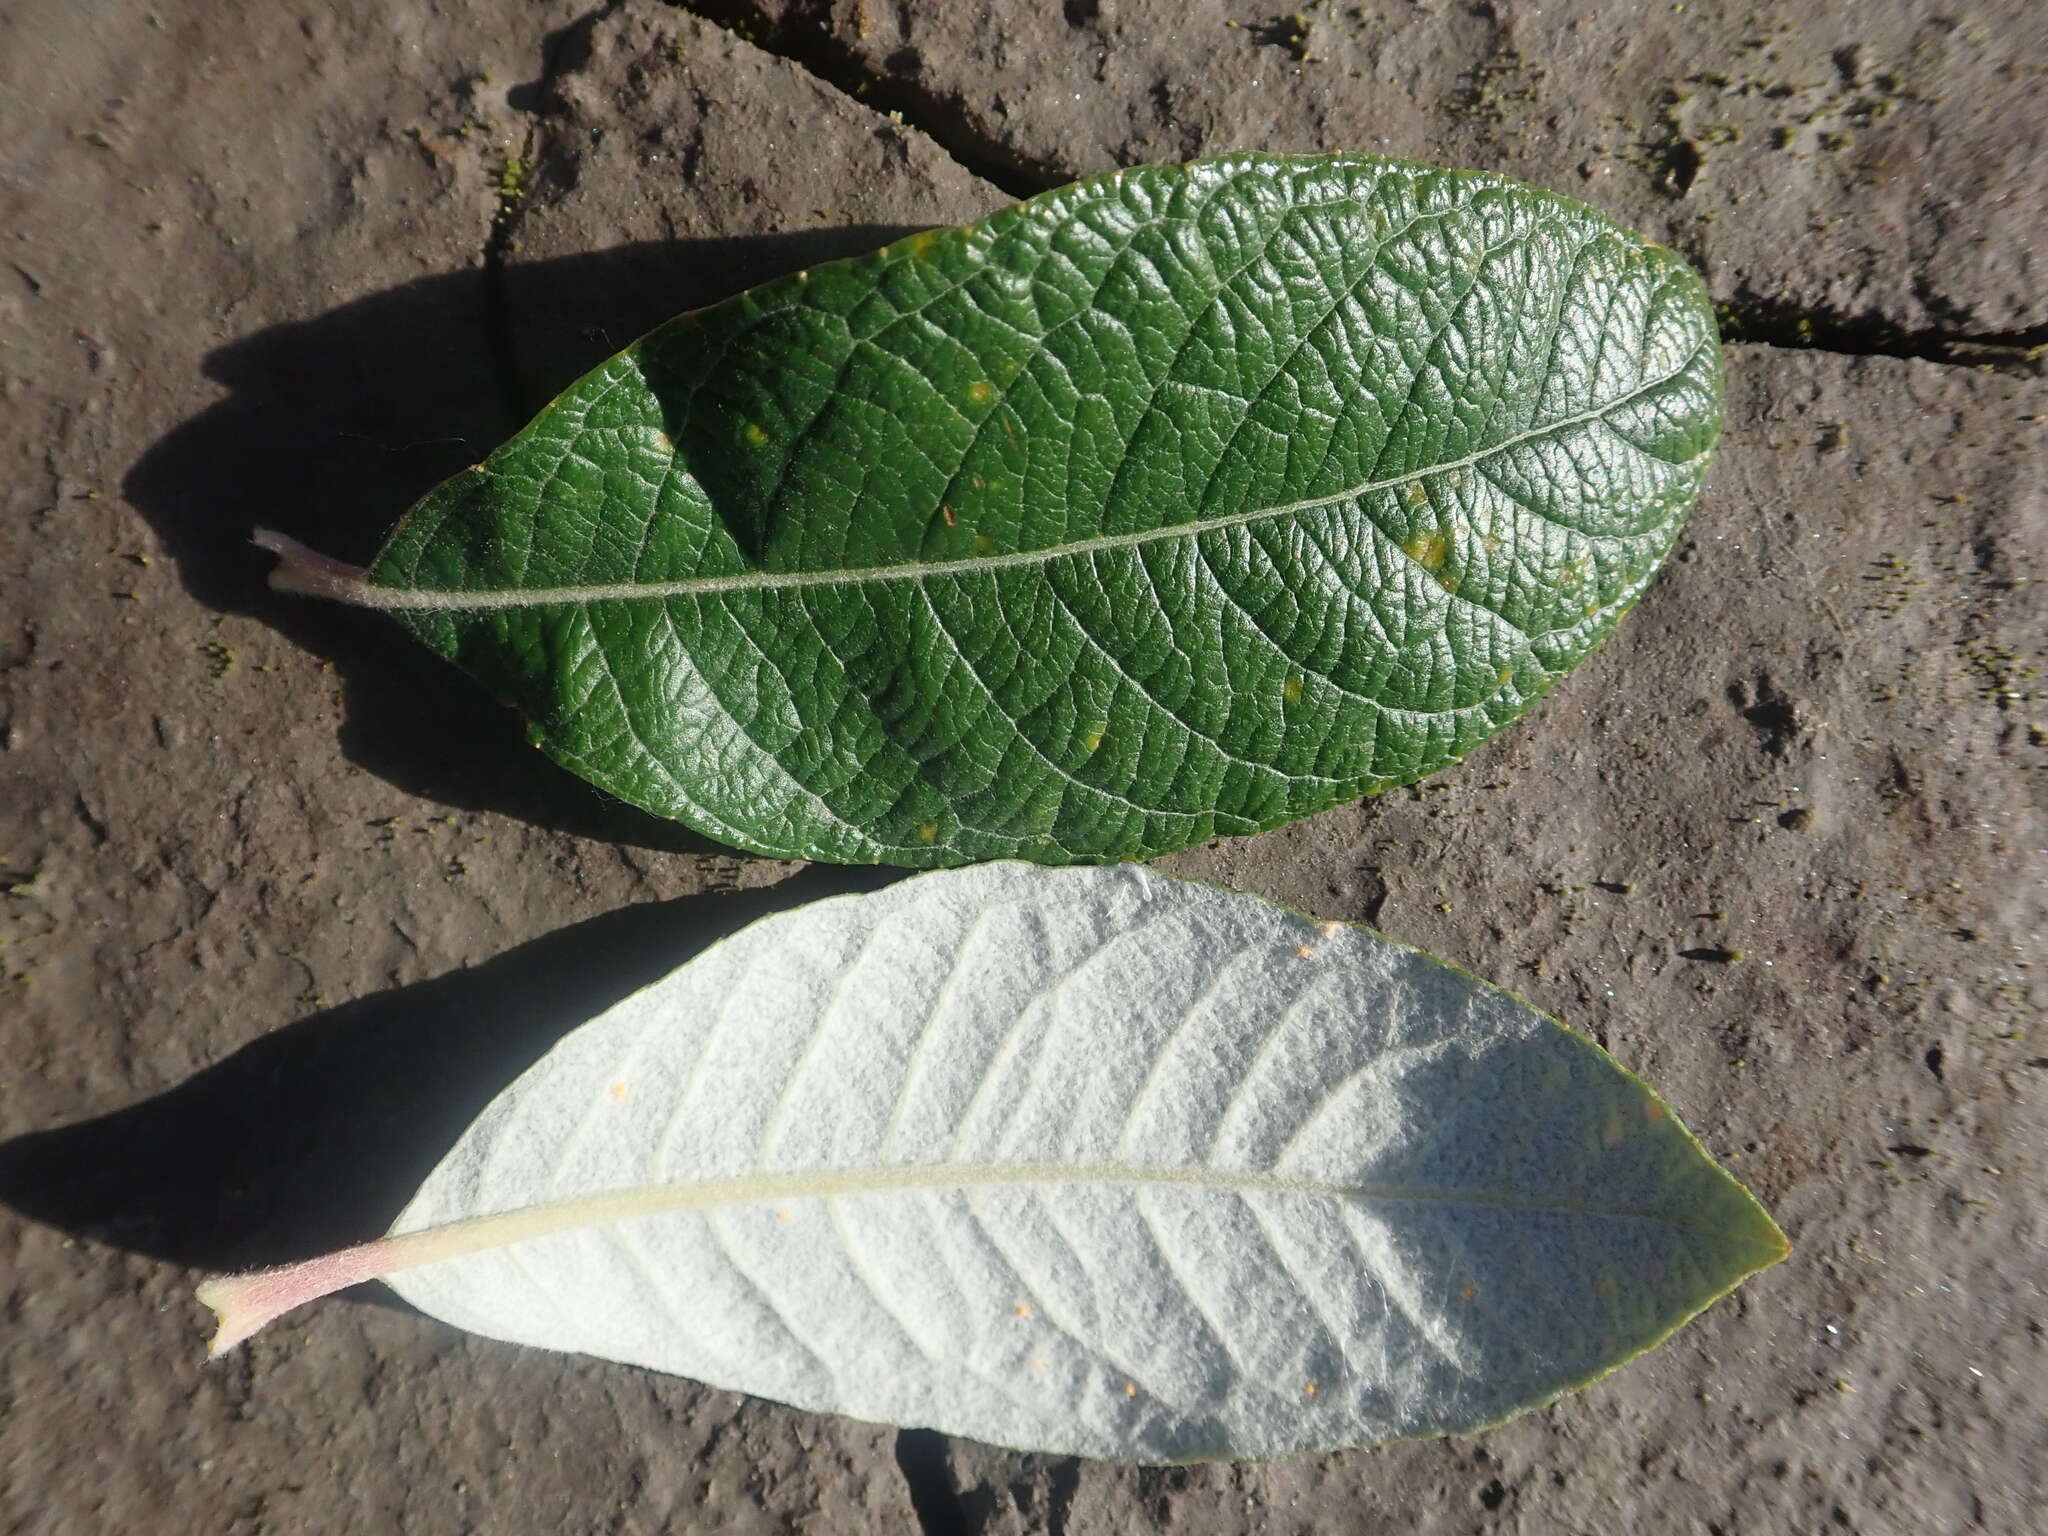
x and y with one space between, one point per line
436 1244
375 595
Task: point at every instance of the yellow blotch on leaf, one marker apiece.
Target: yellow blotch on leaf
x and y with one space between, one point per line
756 433
928 832
981 392
1428 550
1092 741
1291 690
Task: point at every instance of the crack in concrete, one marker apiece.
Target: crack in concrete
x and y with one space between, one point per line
805 37
1762 321
498 315
559 51
934 1496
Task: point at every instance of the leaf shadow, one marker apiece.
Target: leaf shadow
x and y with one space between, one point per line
331 427
316 1135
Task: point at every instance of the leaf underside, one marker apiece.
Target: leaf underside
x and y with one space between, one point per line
1179 502
1089 1161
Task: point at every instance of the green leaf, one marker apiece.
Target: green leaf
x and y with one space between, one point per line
1183 501
1084 1161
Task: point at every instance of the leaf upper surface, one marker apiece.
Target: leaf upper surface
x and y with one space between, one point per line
1183 501
1089 1161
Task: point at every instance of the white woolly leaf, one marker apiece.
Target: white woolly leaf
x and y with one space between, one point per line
1088 1161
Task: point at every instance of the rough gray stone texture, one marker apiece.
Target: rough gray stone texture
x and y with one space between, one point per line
1863 161
283 902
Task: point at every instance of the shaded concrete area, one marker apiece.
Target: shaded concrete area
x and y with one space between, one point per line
283 900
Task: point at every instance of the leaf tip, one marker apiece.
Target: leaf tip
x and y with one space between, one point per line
1754 1240
1777 1246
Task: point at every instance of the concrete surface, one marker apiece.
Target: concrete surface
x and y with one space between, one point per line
283 901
